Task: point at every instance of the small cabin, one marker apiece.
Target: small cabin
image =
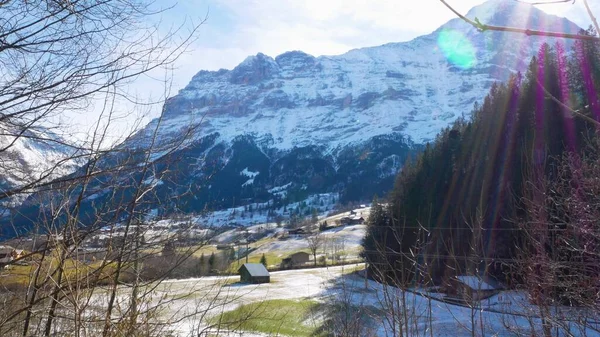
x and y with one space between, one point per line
470 288
296 259
254 273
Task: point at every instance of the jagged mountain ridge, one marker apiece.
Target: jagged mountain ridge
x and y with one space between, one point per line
285 127
413 88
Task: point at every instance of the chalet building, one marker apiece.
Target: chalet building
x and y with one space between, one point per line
254 273
352 220
297 231
294 260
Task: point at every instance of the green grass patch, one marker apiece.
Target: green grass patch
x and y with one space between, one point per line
199 250
262 242
273 260
281 317
15 277
20 276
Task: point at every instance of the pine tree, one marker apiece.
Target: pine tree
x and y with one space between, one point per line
211 262
263 260
169 249
201 264
232 254
480 168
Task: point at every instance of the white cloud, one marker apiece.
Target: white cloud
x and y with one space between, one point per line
575 12
326 27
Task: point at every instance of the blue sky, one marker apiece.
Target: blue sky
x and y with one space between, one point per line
235 29
238 28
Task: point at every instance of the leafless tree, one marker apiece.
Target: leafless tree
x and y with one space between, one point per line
560 259
315 241
64 57
59 58
483 27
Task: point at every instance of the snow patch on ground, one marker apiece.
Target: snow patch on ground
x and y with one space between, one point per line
278 189
248 173
213 295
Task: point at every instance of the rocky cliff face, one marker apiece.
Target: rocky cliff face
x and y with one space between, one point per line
413 88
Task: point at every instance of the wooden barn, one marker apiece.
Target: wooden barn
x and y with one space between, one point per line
254 273
296 259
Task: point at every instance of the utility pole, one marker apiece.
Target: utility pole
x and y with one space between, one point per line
247 252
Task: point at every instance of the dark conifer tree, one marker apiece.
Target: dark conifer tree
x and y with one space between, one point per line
467 188
263 260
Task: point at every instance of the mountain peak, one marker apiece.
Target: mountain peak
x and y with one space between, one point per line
514 13
254 69
494 8
296 63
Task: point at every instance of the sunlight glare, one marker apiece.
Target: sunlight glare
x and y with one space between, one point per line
457 48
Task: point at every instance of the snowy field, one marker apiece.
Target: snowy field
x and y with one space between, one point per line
349 236
187 305
191 301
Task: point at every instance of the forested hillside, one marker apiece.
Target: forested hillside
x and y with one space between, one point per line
510 192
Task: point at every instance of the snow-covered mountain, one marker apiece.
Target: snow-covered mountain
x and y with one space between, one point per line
279 129
415 88
404 93
36 155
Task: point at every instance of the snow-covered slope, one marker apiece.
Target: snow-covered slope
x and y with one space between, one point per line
35 155
333 124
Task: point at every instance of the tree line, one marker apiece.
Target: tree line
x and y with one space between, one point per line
510 192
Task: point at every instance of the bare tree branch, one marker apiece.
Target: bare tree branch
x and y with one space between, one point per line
481 27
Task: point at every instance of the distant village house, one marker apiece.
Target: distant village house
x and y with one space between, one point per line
352 220
297 231
8 254
295 260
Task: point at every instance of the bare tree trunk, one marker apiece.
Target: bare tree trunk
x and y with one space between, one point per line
54 299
